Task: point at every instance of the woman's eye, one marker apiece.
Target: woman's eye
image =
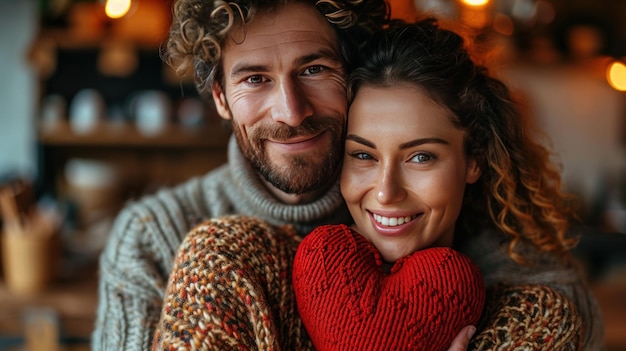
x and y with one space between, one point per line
421 158
313 70
361 156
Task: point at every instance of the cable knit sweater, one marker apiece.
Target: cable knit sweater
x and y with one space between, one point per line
139 255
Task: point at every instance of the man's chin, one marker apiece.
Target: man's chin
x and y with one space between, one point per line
296 185
301 180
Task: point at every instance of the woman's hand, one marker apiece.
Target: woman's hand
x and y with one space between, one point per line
461 341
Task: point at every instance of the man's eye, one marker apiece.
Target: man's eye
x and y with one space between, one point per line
255 79
313 70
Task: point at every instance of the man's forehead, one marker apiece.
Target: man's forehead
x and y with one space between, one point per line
294 33
285 42
292 21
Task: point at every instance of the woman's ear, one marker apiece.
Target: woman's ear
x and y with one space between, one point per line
473 171
221 104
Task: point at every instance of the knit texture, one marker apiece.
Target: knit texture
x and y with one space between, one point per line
347 302
528 317
231 290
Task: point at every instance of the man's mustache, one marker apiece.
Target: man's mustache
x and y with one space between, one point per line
308 127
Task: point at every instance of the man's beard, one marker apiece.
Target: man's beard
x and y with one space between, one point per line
298 174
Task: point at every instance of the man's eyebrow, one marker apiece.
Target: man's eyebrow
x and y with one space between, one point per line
321 54
406 145
244 67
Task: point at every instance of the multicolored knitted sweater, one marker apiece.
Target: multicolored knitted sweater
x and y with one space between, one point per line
230 289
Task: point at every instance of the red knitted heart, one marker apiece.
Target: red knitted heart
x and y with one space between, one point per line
347 302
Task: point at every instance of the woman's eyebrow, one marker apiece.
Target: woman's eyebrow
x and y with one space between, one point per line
422 141
406 145
360 140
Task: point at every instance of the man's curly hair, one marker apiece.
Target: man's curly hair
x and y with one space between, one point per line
199 29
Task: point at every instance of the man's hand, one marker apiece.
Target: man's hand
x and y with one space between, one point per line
461 341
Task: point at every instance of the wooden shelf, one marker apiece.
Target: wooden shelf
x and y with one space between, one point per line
144 163
126 135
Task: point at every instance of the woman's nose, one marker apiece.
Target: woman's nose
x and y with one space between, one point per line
390 186
291 103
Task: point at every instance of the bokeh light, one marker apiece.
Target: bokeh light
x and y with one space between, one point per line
616 75
475 2
117 8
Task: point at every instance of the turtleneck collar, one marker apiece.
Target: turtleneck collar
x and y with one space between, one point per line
252 194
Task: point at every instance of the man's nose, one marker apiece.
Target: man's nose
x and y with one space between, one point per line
390 186
291 103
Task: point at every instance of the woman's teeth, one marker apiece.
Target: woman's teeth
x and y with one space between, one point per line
392 221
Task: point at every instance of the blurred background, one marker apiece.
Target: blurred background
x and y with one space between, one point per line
90 117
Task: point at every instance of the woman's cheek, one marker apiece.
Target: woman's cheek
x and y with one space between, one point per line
354 183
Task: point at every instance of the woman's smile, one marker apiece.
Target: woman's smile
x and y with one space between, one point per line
393 225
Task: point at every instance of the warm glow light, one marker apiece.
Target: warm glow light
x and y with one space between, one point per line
117 8
616 76
475 2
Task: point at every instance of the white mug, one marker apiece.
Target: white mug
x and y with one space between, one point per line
87 111
153 112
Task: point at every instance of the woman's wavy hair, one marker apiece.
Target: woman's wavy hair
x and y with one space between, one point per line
519 188
199 29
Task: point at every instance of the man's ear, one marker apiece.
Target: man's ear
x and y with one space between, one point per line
220 101
473 171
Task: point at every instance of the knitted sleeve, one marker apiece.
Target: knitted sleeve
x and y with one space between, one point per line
565 278
134 266
230 289
128 291
528 317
